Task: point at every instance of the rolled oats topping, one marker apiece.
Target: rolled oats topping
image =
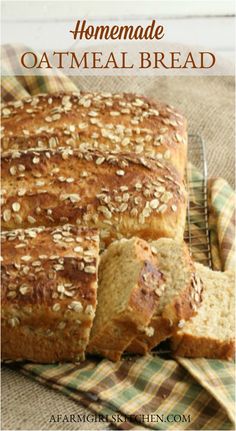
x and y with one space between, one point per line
119 121
79 174
44 276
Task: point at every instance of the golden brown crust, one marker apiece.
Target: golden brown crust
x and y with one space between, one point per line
197 347
121 195
144 299
118 122
49 290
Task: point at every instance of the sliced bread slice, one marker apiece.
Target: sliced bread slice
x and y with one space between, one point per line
211 333
128 279
180 299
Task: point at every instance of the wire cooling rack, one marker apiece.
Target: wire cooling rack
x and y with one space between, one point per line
197 228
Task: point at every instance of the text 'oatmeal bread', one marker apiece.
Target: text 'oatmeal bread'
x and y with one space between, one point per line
211 333
128 278
180 294
103 121
123 196
49 292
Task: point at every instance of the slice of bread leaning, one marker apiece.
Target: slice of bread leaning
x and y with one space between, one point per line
210 334
180 295
128 279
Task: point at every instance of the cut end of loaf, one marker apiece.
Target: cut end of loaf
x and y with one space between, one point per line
128 278
180 298
211 333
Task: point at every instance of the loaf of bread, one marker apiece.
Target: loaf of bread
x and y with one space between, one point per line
49 290
179 295
123 196
211 333
128 281
117 123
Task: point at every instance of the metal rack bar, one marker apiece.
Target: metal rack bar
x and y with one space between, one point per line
197 227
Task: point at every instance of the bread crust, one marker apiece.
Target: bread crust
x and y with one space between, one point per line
110 122
120 195
49 292
202 347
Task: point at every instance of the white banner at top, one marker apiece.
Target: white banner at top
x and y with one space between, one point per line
91 38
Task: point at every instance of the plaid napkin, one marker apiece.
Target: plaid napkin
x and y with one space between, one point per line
185 394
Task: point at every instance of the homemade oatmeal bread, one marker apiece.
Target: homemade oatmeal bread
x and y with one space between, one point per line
211 333
121 195
179 295
103 121
128 279
48 293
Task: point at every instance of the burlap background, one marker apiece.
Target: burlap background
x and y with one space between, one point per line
208 103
